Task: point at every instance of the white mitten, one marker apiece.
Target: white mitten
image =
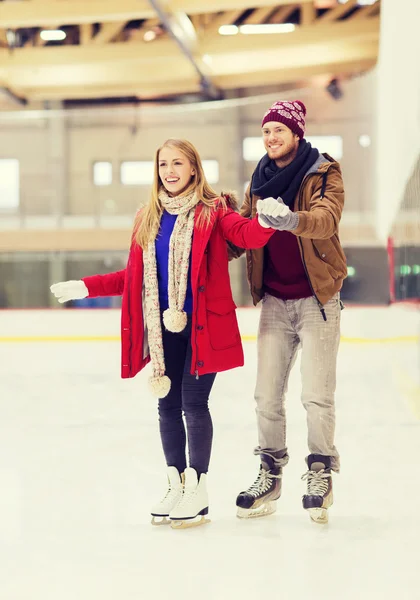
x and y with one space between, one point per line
69 290
270 207
274 213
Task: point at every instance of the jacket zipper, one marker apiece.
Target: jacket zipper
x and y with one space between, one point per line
321 308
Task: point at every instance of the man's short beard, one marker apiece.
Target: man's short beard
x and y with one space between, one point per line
287 156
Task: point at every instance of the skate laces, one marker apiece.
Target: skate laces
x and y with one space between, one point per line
173 492
187 496
263 483
317 482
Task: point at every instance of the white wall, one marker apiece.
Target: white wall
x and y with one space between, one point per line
106 135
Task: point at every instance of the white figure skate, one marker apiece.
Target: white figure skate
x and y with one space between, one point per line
193 506
160 512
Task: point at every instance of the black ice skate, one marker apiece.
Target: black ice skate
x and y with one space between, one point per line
319 493
259 500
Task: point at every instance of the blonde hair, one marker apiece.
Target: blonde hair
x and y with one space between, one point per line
148 219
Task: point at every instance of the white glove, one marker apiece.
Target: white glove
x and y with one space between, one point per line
275 214
69 290
271 207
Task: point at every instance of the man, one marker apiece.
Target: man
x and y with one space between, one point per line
298 277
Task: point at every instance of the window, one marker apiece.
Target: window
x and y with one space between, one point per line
137 172
253 147
9 183
102 173
331 144
211 170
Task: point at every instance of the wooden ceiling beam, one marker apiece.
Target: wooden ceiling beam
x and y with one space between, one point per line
3 38
307 14
164 49
108 32
260 15
296 74
174 88
226 18
366 12
108 90
171 71
85 34
282 14
74 12
336 13
343 31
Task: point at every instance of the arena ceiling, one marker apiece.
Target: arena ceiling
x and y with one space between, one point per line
154 49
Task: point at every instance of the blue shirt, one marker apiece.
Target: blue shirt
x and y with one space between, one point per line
167 224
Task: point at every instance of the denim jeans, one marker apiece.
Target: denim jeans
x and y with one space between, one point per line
188 396
284 326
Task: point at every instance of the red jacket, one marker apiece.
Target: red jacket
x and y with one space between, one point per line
215 338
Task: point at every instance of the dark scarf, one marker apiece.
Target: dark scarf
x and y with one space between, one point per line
268 180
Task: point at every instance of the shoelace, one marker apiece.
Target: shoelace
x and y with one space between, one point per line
172 491
187 496
317 482
263 483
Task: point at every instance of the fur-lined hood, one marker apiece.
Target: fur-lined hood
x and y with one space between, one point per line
231 199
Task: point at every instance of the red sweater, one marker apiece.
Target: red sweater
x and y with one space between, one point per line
284 273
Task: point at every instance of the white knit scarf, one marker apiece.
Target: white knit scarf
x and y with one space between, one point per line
174 318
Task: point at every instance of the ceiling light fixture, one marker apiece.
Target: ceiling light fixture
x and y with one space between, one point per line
149 36
360 2
228 30
53 35
267 28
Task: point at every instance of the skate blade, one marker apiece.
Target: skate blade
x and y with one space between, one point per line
163 521
264 510
190 523
319 515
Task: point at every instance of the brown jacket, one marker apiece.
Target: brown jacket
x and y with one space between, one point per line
319 205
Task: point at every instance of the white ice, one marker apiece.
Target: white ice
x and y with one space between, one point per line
81 465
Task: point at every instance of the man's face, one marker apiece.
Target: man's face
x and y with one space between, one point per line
279 140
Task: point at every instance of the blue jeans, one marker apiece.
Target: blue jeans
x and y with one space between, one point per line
188 397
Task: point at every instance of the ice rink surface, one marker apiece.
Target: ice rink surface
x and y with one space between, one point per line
81 465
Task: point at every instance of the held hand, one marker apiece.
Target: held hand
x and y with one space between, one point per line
275 214
69 290
265 208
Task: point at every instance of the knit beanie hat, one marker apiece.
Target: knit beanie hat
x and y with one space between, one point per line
291 114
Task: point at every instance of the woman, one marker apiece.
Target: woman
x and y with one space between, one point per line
186 323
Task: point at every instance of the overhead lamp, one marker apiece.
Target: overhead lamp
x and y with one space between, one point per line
267 28
53 35
365 141
228 30
360 2
257 29
149 36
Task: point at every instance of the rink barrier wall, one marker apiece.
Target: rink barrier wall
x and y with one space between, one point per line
386 325
245 338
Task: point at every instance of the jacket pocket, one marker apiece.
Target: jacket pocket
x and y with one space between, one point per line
222 324
332 255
